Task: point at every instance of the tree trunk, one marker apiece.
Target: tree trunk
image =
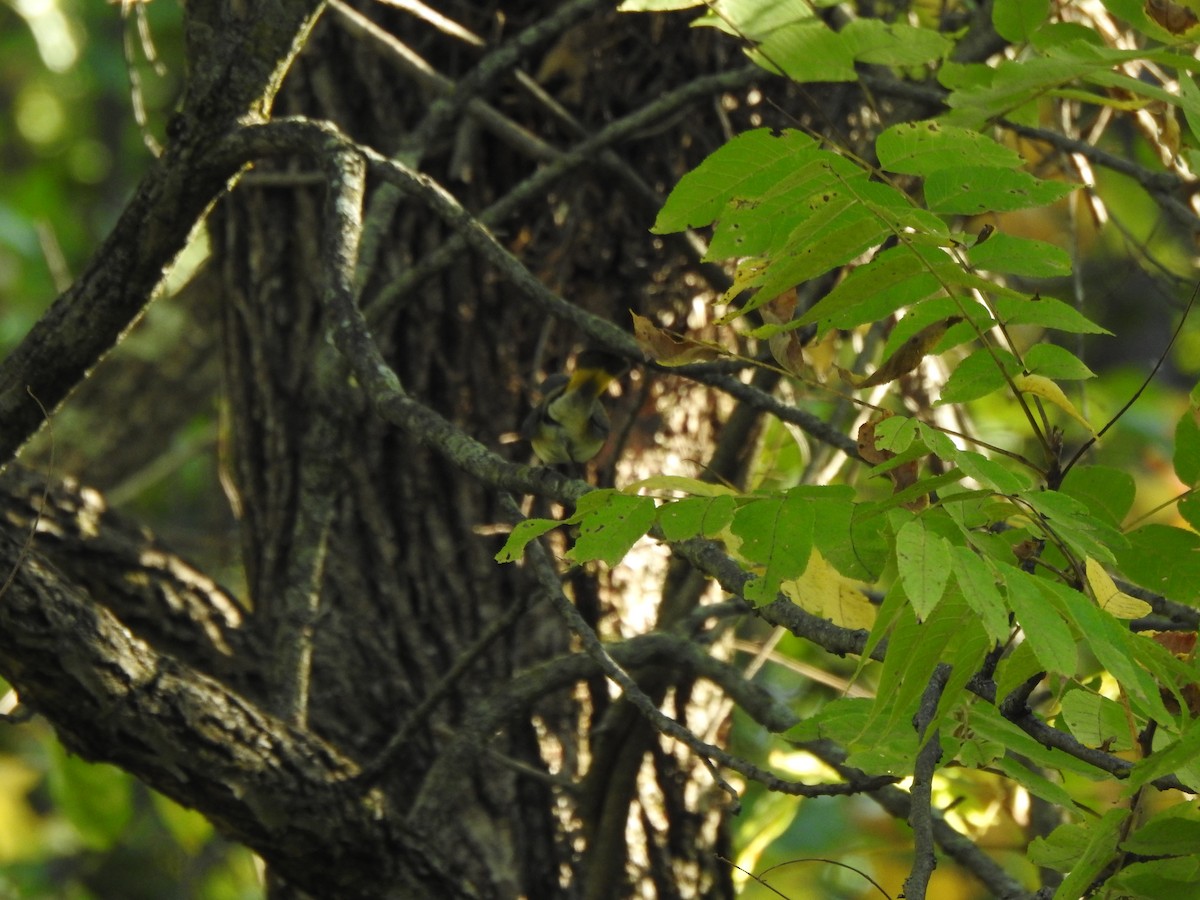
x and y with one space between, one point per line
376 553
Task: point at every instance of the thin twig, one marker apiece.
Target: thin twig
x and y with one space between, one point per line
489 69
1087 445
712 756
920 815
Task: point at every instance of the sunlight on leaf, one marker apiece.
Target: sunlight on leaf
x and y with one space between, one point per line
1112 599
1046 389
825 592
925 564
523 532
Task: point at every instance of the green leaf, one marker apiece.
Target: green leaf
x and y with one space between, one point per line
977 376
939 443
681 483
853 543
840 720
1133 86
1096 721
747 166
833 511
978 583
1036 783
931 312
919 148
1019 256
890 752
924 560
898 277
1060 849
691 517
1055 34
975 510
776 534
609 524
1172 674
1046 311
1189 510
523 532
974 190
1017 20
914 650
1167 760
813 194
1169 832
1112 644
755 19
918 489
832 226
1072 522
1174 878
1107 492
991 473
1189 96
1015 669
896 433
980 93
976 753
1080 850
964 655
1045 631
900 214
893 44
1162 558
806 51
1056 362
986 722
839 225
1187 449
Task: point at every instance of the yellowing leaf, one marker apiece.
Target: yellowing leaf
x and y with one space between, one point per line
822 353
745 276
825 592
1112 599
1043 387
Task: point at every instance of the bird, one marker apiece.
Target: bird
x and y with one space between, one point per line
570 424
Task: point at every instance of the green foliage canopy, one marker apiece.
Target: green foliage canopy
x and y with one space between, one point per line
994 562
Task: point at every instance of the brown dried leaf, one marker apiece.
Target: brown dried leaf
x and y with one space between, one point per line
910 354
1172 16
903 476
866 443
669 349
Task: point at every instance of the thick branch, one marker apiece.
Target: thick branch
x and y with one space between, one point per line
112 697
